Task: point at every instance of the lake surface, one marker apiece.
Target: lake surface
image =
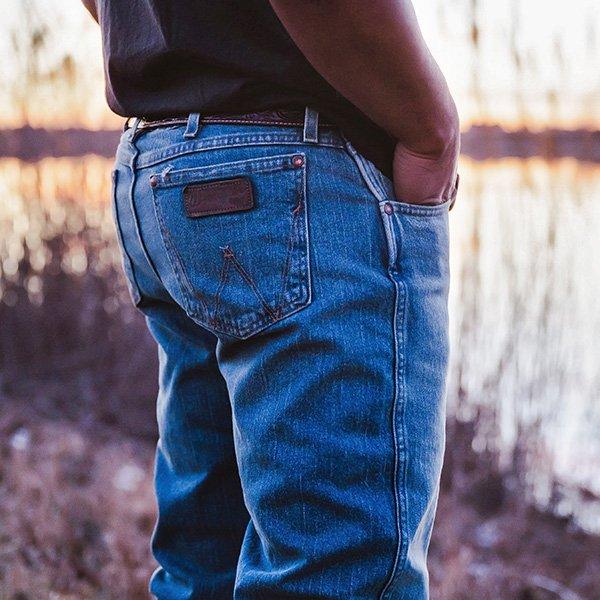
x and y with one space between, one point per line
525 302
525 321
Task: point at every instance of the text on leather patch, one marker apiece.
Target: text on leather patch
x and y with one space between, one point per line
218 197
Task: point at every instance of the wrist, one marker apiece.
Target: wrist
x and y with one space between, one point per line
435 140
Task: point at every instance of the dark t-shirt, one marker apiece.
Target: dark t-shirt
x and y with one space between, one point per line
171 57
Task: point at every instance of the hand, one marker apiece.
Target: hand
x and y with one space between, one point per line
425 178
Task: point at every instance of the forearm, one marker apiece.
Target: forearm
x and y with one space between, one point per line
373 53
91 7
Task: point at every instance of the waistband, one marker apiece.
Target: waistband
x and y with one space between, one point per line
309 120
280 127
289 118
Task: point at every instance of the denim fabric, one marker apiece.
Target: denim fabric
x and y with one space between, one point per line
303 349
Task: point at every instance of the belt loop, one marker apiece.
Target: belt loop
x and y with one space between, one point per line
133 129
193 126
311 126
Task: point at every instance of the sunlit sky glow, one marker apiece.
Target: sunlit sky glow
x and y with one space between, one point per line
555 43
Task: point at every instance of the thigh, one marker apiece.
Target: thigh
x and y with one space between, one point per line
201 512
339 409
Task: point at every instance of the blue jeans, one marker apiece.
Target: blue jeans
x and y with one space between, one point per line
303 350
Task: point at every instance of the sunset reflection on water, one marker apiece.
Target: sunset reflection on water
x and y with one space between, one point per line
57 205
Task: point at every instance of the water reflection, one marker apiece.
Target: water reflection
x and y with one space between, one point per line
65 316
525 321
54 218
524 316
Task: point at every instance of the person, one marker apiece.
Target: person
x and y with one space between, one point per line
281 195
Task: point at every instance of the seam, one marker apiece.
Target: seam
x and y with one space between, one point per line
403 448
134 288
150 158
222 211
414 210
222 281
396 560
134 214
218 183
250 122
366 172
228 253
286 266
392 243
398 412
260 165
292 242
304 257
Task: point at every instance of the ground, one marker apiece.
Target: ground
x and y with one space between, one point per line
77 510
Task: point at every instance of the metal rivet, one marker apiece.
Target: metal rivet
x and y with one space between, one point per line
388 208
154 181
298 161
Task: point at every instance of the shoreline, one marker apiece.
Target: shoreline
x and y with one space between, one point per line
479 142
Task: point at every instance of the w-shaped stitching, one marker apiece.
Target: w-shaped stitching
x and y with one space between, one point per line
229 258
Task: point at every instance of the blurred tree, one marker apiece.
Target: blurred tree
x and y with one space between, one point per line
28 39
49 80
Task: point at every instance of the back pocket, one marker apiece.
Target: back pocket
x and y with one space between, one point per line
237 239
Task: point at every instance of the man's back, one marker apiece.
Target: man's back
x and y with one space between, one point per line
166 58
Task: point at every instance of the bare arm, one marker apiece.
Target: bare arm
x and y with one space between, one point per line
91 6
373 53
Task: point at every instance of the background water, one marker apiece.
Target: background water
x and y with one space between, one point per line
524 312
525 323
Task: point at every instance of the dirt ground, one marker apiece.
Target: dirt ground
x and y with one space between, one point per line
77 510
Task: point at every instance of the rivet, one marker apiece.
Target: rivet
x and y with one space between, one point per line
388 208
154 181
298 160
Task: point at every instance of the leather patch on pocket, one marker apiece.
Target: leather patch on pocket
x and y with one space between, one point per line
218 197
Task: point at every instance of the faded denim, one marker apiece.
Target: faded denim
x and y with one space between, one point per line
303 350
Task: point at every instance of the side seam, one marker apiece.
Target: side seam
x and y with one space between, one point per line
398 428
398 409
